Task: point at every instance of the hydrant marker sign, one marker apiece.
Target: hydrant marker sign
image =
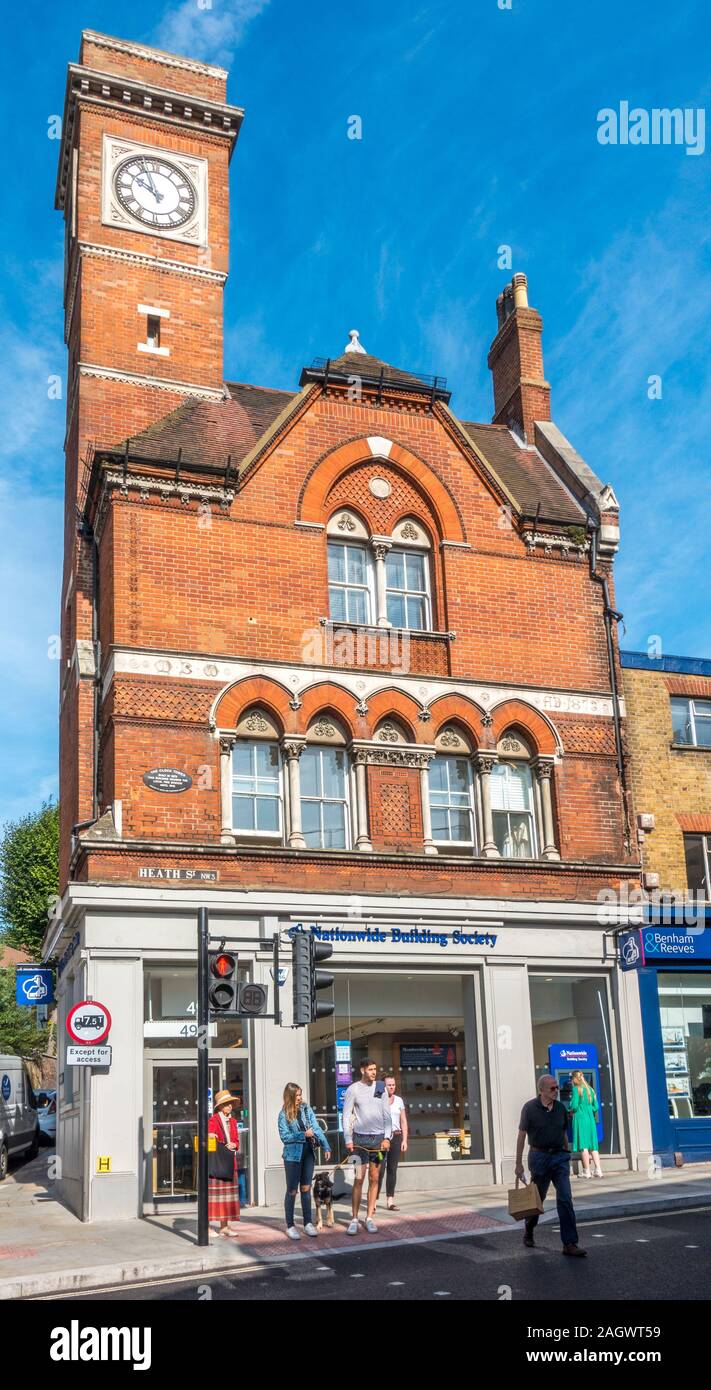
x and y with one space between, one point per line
88 1023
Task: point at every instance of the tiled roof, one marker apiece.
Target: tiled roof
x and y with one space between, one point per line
525 474
362 364
208 431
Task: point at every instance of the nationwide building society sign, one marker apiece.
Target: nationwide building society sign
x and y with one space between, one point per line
397 936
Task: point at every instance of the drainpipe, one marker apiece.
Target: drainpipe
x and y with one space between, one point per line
611 615
87 534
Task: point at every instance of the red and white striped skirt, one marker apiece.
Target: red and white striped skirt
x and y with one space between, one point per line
222 1200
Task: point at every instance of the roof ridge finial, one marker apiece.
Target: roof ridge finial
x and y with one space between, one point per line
355 344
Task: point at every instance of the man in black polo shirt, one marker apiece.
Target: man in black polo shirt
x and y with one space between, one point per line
544 1122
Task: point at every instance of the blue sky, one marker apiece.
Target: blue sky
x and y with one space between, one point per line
479 129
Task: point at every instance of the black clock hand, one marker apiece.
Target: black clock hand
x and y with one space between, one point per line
158 196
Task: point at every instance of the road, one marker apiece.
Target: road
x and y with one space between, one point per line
662 1257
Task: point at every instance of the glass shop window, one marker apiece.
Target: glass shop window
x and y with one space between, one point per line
571 1009
431 1051
685 1013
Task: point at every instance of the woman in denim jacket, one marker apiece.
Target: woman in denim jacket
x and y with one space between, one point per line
298 1125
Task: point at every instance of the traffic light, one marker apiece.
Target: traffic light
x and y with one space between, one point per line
301 977
223 991
320 979
307 979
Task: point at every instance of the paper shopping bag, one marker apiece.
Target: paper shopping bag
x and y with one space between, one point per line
524 1201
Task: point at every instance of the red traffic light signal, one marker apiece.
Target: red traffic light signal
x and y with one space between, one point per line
223 965
223 994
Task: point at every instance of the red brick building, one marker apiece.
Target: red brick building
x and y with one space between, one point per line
333 656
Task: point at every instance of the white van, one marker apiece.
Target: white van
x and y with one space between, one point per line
19 1124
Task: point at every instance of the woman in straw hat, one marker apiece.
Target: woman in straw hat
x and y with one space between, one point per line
223 1192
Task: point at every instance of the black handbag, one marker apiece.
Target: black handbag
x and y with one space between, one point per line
311 1141
221 1163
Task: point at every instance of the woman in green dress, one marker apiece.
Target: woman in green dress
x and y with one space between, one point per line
583 1108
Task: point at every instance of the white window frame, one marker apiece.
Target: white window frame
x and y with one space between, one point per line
532 813
368 587
706 855
321 800
425 593
277 836
691 703
451 806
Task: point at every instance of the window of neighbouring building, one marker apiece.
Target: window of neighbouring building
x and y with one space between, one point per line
685 1014
574 1009
432 1052
691 721
697 849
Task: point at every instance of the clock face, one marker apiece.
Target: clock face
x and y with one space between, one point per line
154 191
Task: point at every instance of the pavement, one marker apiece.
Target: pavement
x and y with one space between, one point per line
45 1250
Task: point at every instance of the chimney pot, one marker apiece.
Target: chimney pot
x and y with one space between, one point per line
520 291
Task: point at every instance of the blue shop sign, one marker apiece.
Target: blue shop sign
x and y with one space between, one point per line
631 950
6 1087
675 943
34 984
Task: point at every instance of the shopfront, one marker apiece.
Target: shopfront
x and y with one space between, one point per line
675 997
466 1009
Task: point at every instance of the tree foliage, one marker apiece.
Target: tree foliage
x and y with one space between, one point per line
29 878
19 1033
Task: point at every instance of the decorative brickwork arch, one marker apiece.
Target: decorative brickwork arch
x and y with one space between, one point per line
536 729
328 698
457 709
253 690
402 707
327 471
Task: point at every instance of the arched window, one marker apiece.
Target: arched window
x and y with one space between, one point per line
407 578
512 800
325 787
382 581
451 783
350 570
257 790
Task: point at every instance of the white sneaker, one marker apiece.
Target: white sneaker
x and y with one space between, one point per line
310 1229
352 1228
587 1173
292 1233
598 1172
371 1226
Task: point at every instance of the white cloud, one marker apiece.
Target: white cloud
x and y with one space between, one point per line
211 30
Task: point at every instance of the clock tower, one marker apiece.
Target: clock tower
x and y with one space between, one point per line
143 184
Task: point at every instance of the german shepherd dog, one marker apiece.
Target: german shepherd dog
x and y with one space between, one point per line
323 1197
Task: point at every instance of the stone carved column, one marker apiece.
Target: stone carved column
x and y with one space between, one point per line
360 759
543 770
292 750
484 763
227 743
430 846
380 547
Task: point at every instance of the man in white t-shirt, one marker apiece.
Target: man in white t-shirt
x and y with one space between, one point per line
398 1142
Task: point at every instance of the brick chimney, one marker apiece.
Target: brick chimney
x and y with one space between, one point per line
521 394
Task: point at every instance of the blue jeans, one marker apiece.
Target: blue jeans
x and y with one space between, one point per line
554 1168
300 1173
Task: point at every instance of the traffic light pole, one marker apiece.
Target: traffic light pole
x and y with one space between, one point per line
203 1075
